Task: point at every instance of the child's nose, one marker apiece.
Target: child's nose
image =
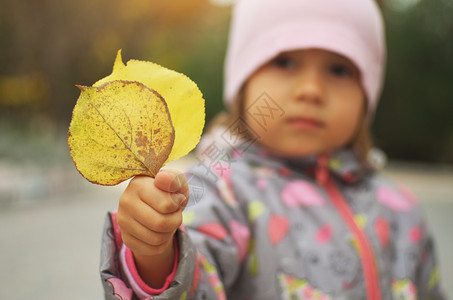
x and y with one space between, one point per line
309 86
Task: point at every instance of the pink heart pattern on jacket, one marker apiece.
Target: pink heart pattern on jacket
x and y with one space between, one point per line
301 193
393 200
241 236
277 228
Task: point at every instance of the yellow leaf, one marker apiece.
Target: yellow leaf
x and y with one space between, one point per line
118 130
184 100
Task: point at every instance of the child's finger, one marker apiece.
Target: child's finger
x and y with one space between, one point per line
171 181
158 222
148 236
131 211
160 201
143 246
175 183
143 188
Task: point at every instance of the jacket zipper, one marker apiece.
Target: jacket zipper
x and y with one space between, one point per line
366 253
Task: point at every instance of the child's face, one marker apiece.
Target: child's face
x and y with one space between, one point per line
320 94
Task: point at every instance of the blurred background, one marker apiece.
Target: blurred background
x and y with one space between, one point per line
51 219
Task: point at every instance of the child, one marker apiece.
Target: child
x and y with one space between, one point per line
287 206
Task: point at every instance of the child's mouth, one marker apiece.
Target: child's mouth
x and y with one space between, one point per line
302 123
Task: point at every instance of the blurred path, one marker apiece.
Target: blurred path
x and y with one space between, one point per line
51 251
50 243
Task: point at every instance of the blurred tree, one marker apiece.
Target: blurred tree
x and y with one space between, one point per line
414 119
48 46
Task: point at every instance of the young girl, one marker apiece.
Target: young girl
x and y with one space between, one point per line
285 203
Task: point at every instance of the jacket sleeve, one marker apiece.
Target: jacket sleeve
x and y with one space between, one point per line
209 254
416 267
114 285
428 271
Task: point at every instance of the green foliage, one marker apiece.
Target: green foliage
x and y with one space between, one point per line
414 119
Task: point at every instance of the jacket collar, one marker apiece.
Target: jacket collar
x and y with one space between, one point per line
342 164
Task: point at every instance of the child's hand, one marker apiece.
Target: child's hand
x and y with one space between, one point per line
150 211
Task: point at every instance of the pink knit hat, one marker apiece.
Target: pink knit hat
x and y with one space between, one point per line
261 29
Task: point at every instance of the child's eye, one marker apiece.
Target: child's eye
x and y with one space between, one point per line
341 70
283 62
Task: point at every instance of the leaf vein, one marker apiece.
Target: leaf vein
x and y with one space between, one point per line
129 148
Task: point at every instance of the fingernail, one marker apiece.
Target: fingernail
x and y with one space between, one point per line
177 182
178 198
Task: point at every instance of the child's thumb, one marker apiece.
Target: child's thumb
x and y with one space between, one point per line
171 181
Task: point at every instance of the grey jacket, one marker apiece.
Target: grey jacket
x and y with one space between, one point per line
262 227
